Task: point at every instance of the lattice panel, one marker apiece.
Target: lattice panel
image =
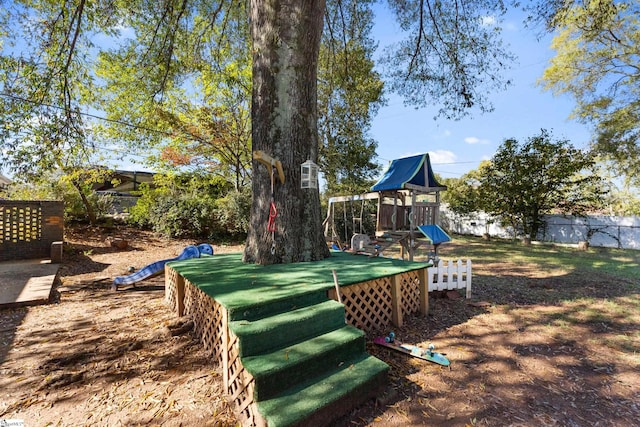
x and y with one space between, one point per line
170 279
368 304
410 291
241 384
207 318
20 224
209 326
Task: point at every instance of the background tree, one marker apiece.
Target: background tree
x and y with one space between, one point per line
44 86
452 56
597 62
622 197
350 93
198 96
55 185
525 181
463 196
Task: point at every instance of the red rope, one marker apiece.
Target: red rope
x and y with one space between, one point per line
273 213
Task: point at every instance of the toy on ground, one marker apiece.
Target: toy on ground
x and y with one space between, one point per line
412 350
157 267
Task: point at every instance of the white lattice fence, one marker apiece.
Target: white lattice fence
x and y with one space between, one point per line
450 275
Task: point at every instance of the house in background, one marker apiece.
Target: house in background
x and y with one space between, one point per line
121 193
4 182
128 181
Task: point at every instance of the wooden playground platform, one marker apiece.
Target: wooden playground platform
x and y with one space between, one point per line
219 292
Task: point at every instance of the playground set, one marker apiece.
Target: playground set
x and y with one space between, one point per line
407 201
290 338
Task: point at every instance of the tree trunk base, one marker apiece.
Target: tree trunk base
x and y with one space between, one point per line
583 245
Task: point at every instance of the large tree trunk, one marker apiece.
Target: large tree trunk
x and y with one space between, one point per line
286 40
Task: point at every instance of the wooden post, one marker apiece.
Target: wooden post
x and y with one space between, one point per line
396 301
424 291
412 225
468 279
378 212
179 295
337 285
226 353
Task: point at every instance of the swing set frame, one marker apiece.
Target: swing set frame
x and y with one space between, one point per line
398 214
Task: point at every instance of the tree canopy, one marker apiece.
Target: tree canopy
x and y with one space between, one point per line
524 181
452 54
350 92
597 62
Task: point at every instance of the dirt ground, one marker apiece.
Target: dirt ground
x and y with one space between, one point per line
519 357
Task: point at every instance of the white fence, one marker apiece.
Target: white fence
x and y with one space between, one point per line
621 232
453 275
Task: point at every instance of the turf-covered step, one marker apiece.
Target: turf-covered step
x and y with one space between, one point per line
273 332
288 366
320 400
283 303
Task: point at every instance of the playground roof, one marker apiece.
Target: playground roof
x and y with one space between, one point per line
413 173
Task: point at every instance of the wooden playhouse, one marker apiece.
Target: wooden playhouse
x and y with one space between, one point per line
407 211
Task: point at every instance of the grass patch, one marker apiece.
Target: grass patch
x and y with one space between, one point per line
624 263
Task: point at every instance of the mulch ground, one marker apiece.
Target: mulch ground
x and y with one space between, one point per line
533 347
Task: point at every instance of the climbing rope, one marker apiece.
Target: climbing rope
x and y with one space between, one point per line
273 213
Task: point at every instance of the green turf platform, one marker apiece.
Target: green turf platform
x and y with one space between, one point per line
243 287
307 364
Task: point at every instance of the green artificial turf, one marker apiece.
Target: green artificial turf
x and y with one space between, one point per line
239 287
337 391
288 366
308 365
271 332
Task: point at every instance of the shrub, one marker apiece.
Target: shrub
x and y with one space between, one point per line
233 212
192 206
183 216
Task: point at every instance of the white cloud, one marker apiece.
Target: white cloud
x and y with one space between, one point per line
475 140
442 156
488 21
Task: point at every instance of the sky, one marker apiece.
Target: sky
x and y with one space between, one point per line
456 147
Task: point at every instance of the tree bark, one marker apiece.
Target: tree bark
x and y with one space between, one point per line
286 40
88 207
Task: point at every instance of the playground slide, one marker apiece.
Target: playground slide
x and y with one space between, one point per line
157 267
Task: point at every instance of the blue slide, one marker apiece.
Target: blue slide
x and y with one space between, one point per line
434 233
157 267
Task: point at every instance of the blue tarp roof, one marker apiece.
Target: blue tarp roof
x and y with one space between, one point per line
414 170
434 233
